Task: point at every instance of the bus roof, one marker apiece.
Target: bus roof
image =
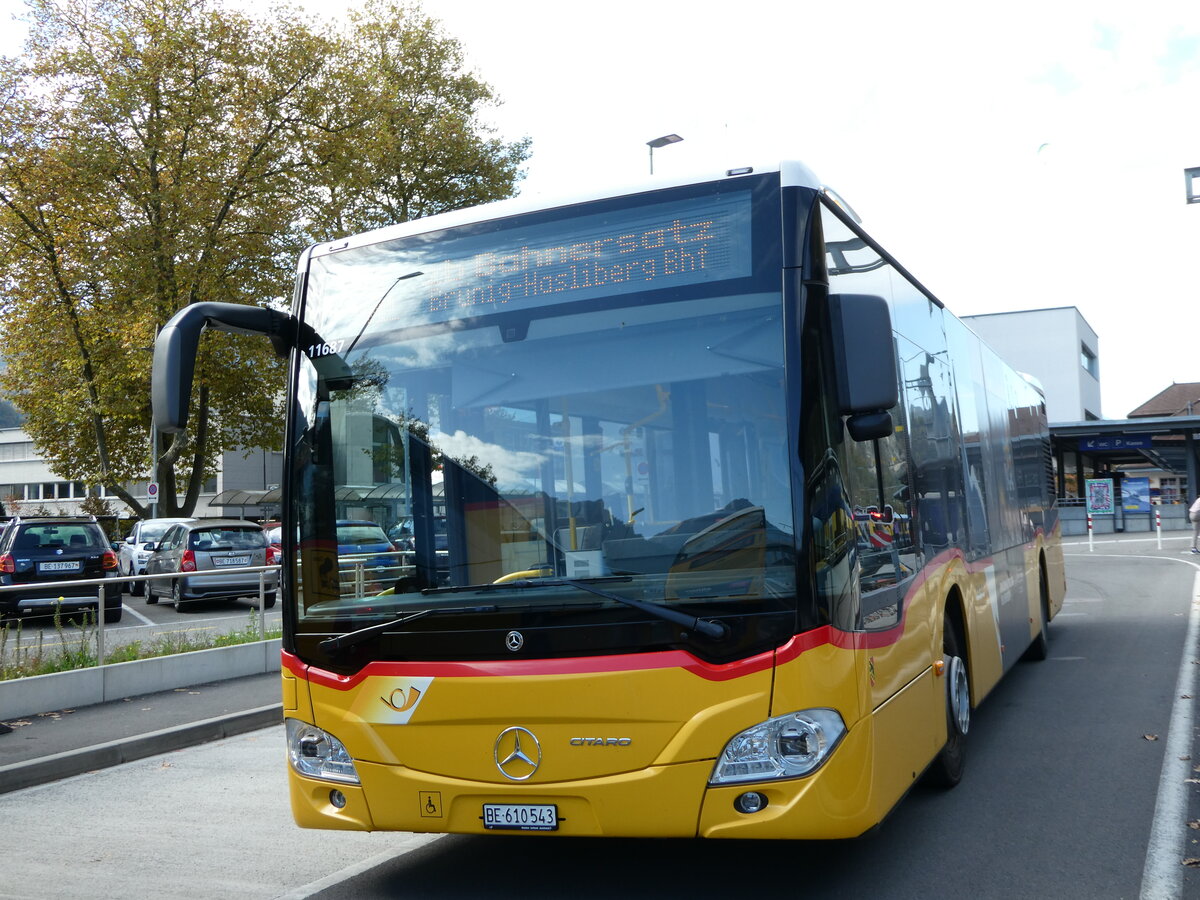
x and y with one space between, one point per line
793 174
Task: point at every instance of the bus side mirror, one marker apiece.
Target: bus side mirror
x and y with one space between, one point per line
864 357
178 342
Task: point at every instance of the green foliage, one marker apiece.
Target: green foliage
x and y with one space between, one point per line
167 152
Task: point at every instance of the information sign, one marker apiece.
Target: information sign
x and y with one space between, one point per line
1100 497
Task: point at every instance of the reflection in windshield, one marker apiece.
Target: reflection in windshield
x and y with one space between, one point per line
589 449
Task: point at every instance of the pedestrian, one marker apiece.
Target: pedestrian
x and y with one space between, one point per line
1194 518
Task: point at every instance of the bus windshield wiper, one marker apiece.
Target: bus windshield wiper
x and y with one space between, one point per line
710 628
350 638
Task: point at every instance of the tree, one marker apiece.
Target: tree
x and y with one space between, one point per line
158 153
419 147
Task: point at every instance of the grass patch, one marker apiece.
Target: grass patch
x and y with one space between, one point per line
77 649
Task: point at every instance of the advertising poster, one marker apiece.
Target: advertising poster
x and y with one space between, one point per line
1100 497
1135 495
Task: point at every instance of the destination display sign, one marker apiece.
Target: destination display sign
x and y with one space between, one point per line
671 245
513 265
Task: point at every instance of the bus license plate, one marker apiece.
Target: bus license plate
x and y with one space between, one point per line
61 566
521 816
231 561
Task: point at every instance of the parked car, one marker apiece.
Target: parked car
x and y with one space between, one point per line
357 540
199 550
133 552
404 537
402 534
57 551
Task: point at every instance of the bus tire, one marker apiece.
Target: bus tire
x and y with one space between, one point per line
1040 648
948 766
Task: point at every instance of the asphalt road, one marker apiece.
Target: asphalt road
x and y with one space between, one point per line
1080 784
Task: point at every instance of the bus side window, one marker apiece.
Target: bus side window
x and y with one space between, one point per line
832 542
881 507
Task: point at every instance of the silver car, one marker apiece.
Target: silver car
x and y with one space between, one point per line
202 552
131 558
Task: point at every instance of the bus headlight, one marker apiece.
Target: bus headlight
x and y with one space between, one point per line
318 754
783 747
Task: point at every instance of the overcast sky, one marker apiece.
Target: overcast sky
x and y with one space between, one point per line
1011 157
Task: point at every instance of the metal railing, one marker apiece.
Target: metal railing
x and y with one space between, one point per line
358 574
361 566
101 583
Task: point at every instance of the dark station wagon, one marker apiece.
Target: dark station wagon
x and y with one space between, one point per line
52 554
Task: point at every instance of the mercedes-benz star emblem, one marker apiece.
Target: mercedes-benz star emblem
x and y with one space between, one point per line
514 641
518 753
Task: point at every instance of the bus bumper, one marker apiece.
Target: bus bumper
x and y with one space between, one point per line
660 801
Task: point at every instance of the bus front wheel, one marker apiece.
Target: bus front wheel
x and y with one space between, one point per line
947 768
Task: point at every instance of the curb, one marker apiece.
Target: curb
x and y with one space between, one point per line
113 753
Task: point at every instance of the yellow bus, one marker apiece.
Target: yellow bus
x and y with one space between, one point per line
709 519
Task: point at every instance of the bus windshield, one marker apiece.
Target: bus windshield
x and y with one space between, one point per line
588 394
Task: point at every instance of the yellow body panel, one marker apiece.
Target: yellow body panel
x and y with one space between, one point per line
435 772
983 640
872 768
629 751
669 715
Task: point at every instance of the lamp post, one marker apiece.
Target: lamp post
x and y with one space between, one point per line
1191 179
661 142
152 485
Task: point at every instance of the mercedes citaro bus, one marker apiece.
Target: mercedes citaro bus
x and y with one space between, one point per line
721 523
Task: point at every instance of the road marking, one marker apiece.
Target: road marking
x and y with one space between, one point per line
1162 878
313 888
129 609
1148 540
1066 658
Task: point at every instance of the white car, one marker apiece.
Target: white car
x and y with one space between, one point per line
131 560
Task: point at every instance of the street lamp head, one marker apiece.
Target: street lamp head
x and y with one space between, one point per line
664 140
661 142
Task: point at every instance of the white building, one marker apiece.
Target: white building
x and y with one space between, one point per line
26 478
1057 347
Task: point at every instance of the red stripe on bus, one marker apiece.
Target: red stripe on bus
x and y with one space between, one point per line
586 665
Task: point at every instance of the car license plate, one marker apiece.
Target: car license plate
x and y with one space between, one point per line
64 565
521 816
231 560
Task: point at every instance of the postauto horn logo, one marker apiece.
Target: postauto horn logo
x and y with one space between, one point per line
399 699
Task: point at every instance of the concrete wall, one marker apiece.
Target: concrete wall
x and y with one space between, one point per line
84 687
1074 521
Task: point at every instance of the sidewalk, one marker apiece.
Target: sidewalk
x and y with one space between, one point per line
59 744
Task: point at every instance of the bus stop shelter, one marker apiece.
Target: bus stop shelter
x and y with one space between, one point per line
1120 448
